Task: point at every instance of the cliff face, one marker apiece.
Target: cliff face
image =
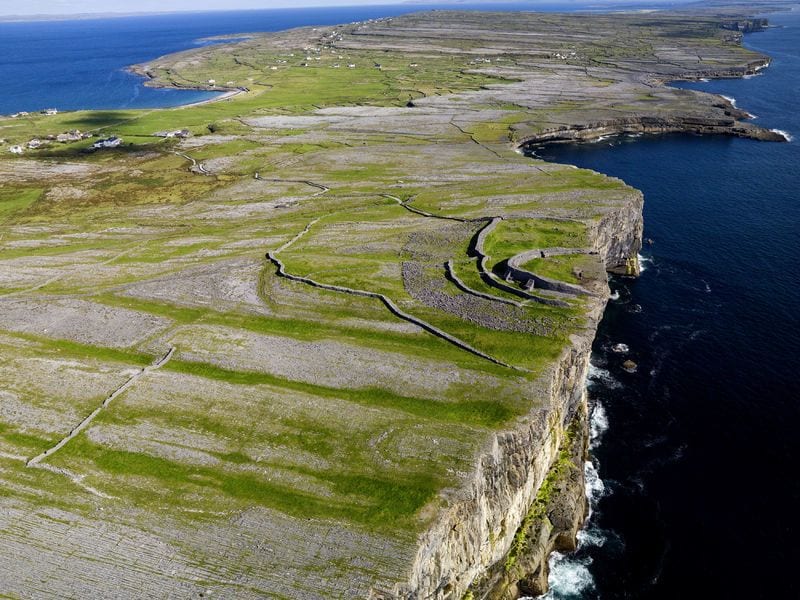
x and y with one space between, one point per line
526 498
654 125
746 25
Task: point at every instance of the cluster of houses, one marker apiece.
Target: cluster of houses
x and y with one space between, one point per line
313 53
47 111
74 135
213 83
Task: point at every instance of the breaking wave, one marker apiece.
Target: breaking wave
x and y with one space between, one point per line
570 577
598 425
644 262
601 377
730 99
785 134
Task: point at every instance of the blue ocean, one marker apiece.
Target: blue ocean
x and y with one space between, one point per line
697 450
80 64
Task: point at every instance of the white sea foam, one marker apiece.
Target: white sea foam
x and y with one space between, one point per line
620 348
730 99
595 488
644 262
785 134
751 75
614 295
598 423
570 576
601 377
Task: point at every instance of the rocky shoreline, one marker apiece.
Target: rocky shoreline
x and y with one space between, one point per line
654 126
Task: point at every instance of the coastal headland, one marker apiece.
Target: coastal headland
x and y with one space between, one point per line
328 337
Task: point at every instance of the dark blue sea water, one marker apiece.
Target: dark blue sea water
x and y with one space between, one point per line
80 64
700 457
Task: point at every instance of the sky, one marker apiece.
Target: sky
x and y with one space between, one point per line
73 7
9 8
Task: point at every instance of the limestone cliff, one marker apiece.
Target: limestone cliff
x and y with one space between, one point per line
526 498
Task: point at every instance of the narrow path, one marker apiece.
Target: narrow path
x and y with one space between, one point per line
55 278
298 236
88 420
195 164
17 457
323 189
75 478
424 213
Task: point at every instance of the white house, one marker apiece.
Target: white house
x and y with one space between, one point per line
111 142
16 150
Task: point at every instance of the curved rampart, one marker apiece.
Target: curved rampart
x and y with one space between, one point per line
530 280
452 276
477 249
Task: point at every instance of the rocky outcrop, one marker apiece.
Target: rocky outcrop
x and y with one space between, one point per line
731 72
526 497
746 25
652 125
618 237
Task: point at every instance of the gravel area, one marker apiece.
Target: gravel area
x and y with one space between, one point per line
79 320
